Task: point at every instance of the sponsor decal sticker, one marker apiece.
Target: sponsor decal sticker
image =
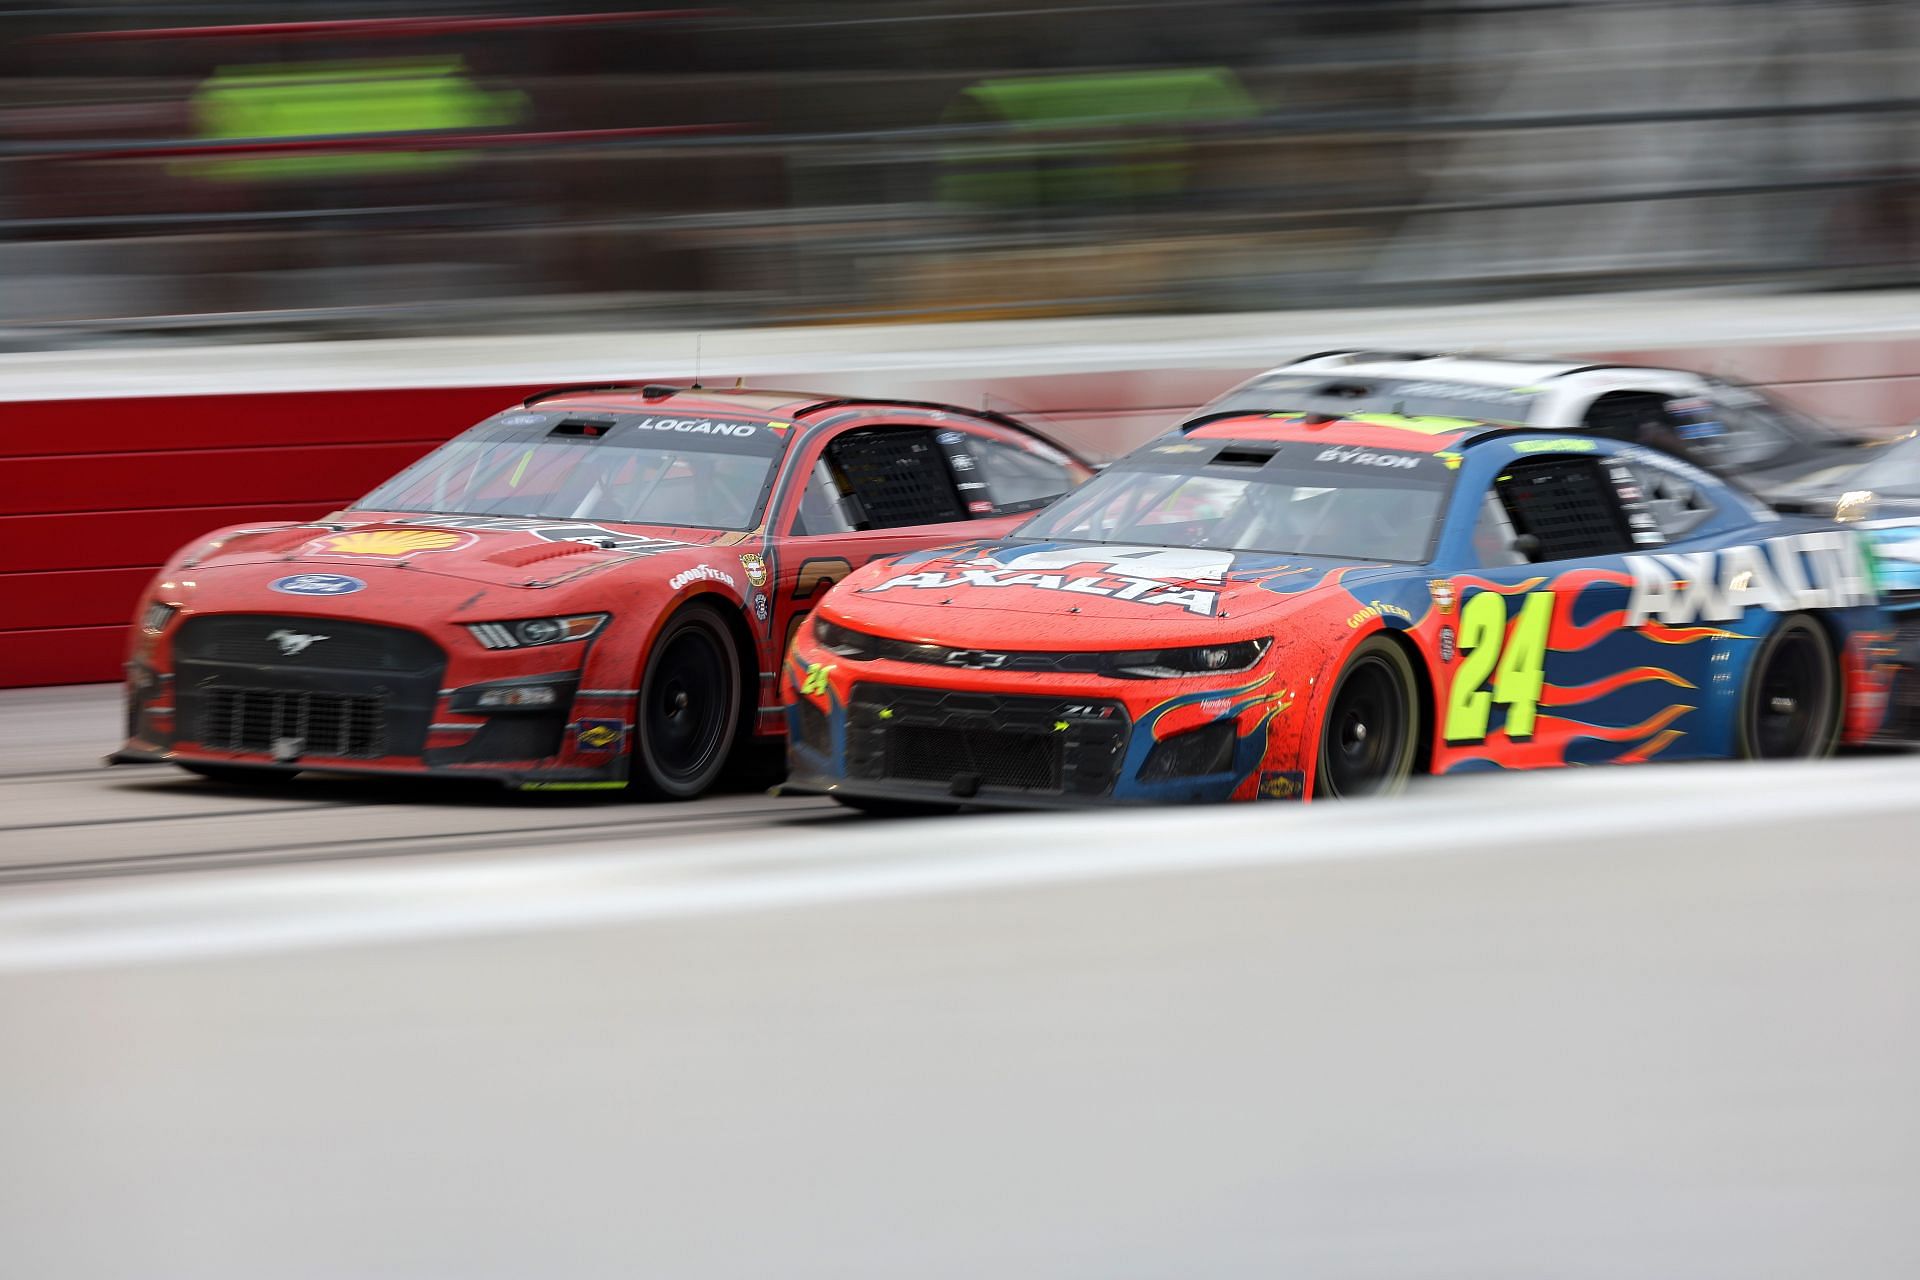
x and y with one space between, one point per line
1443 594
701 573
601 735
1826 570
760 608
317 584
1377 609
1178 577
754 567
592 535
1368 458
1559 444
389 544
695 426
980 507
815 682
1283 784
1446 644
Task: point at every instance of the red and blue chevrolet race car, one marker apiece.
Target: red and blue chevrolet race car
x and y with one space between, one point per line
1295 605
592 589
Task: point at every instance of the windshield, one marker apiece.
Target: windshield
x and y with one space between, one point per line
1292 499
1741 428
699 472
1894 471
1409 397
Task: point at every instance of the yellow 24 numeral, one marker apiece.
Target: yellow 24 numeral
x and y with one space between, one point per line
1518 667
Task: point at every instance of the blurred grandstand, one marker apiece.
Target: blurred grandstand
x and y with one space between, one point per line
393 166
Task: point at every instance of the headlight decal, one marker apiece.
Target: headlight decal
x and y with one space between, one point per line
1192 660
527 633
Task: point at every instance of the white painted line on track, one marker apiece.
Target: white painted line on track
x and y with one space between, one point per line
270 910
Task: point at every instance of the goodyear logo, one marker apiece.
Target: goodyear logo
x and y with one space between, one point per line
1378 609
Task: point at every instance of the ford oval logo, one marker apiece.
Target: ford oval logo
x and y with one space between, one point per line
318 584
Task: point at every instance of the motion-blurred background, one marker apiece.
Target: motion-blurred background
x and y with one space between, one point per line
233 170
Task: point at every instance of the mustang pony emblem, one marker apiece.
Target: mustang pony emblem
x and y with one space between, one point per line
292 642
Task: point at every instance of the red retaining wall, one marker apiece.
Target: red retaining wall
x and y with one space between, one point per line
97 493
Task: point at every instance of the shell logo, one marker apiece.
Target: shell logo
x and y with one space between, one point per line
391 544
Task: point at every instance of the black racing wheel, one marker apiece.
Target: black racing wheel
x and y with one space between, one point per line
1791 707
1369 733
689 707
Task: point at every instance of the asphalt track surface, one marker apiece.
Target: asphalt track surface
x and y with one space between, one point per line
66 816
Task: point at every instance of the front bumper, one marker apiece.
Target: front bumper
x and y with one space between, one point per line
798 784
889 730
392 702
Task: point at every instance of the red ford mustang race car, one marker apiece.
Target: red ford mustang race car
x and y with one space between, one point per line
1293 605
591 589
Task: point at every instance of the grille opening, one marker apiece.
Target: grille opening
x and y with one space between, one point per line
1192 754
336 644
1019 761
814 729
930 737
323 724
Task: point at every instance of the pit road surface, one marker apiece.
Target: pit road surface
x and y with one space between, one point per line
63 815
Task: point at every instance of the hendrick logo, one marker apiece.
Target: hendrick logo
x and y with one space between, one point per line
292 642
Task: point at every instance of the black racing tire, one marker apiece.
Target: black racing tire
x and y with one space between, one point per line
875 807
239 775
1370 734
1791 707
688 711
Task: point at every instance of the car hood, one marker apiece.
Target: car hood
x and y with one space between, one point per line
488 550
1091 595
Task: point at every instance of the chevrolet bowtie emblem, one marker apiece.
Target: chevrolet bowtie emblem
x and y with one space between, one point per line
974 658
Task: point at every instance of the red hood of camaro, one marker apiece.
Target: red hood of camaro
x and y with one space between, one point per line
1064 596
411 562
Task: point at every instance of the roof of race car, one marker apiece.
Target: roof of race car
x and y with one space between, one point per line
783 408
752 401
1483 368
1365 430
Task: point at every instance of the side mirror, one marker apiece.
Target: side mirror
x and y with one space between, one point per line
1527 547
